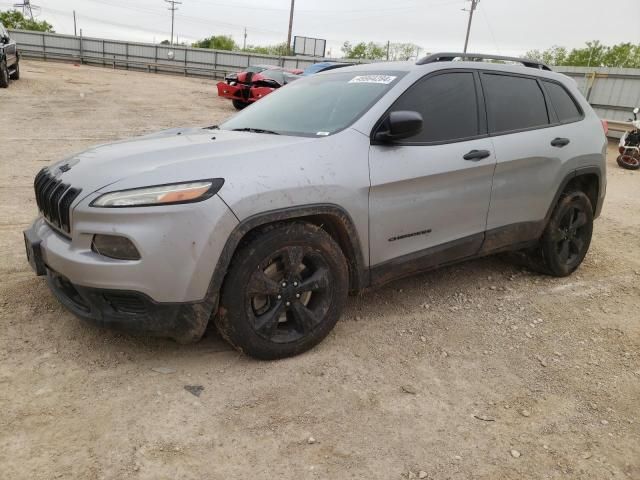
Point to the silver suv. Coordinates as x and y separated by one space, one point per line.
338 182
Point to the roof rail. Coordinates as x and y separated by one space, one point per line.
450 56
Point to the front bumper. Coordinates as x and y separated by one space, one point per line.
132 311
165 293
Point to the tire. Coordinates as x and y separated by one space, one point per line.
284 291
239 104
16 73
4 74
567 237
628 162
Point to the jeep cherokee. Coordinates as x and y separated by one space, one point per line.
340 181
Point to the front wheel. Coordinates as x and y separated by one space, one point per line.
239 104
284 291
566 239
4 74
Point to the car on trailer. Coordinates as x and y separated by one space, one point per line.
255 82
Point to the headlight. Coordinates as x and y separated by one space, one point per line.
169 194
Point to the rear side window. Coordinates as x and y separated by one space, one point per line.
564 105
448 106
513 103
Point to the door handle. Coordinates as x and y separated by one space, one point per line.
560 142
476 155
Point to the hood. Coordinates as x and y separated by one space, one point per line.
165 157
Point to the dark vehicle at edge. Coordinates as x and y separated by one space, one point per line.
9 58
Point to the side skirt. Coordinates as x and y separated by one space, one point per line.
424 260
504 239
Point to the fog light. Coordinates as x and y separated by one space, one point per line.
114 246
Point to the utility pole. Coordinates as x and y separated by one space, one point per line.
244 43
27 8
293 3
474 4
388 48
173 9
75 32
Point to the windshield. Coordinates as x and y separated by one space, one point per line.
316 106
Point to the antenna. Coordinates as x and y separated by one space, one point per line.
27 8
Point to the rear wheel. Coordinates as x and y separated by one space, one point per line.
4 74
284 291
239 104
629 162
566 239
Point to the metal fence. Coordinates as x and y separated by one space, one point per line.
145 56
613 92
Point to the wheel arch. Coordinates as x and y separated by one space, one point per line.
587 180
332 218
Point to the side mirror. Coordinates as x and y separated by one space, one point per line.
399 125
636 110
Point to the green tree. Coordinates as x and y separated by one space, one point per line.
362 50
595 54
279 49
402 51
165 42
15 20
217 42
553 56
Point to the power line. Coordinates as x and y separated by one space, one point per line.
173 9
474 4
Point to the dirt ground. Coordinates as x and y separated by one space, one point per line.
478 371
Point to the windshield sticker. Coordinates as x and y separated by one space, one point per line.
382 79
323 134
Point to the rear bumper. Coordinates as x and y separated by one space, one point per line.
241 92
132 311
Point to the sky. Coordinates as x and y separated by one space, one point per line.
507 27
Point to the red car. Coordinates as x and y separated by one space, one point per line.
255 82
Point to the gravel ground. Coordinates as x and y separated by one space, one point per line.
478 371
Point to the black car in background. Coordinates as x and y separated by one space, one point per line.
9 59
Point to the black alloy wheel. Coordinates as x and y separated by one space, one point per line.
284 291
568 235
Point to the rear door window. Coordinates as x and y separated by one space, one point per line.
564 105
513 103
448 105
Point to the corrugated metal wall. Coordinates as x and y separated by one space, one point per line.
144 56
613 92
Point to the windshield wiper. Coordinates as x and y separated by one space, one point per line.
255 130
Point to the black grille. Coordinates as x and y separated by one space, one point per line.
54 199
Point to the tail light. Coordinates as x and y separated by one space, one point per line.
621 150
605 127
